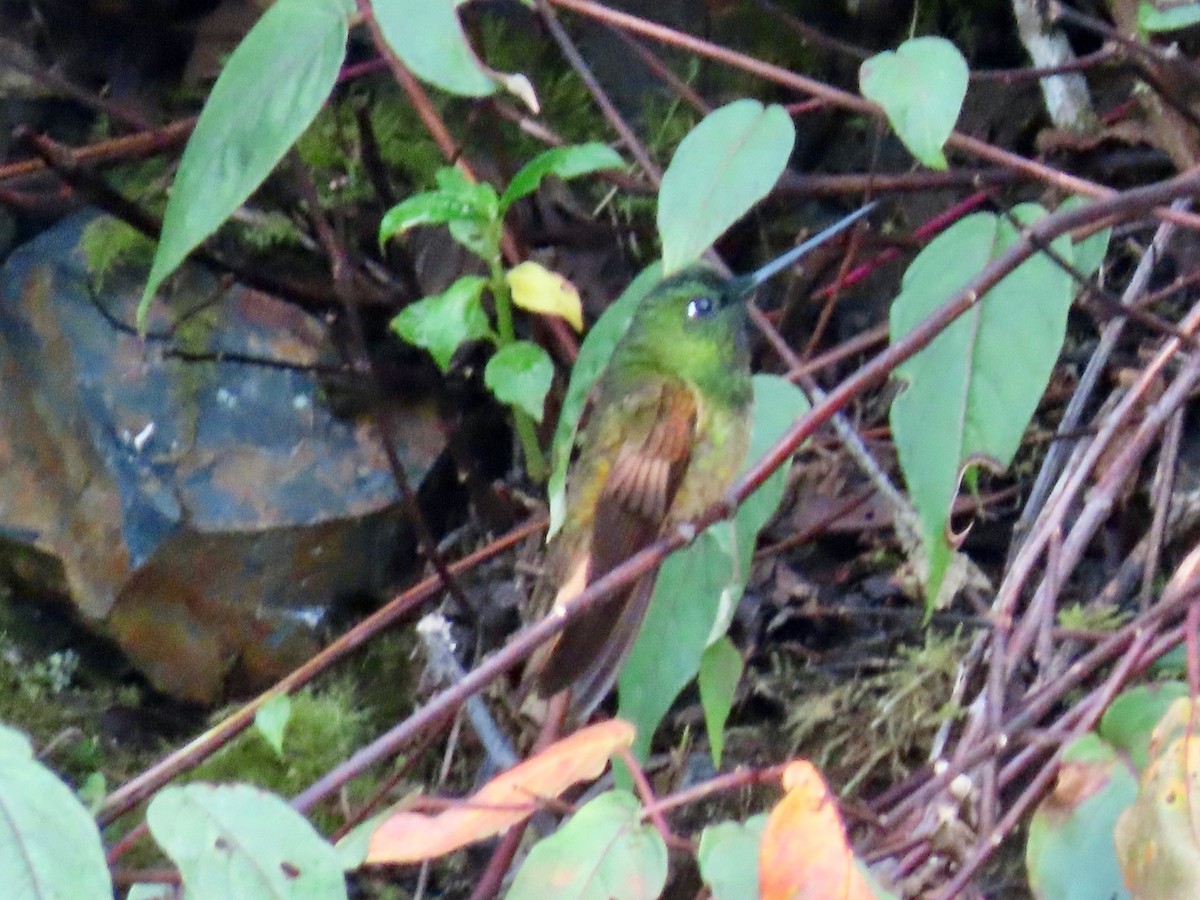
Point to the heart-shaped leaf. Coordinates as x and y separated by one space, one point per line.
1156 835
428 37
804 848
725 165
728 858
238 841
604 852
1069 851
921 87
970 394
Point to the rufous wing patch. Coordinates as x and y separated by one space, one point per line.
631 510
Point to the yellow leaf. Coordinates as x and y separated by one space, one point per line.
507 799
537 289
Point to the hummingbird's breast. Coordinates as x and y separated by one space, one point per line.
722 441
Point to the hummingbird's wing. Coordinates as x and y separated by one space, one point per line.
657 426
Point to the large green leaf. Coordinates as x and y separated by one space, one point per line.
725 165
921 87
699 587
603 853
594 354
269 91
969 395
428 37
49 845
565 162
239 841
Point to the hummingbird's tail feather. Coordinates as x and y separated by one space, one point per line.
591 650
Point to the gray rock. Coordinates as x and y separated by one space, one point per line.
202 513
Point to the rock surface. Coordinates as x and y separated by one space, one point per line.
201 510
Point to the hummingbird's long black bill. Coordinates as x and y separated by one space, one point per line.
774 267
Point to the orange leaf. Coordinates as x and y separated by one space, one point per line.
506 800
804 854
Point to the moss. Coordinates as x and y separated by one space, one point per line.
332 145
265 233
110 247
51 700
324 728
1092 617
900 705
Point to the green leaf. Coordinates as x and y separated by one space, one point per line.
480 236
601 853
239 841
1151 19
14 743
472 210
49 844
266 96
520 375
151 892
429 39
725 165
720 670
272 718
1069 853
1090 252
698 588
443 322
969 395
594 354
565 162
728 858
427 208
93 791
921 87
352 847
1130 719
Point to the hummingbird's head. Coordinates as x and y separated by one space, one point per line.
692 324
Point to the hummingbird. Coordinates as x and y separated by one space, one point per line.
667 428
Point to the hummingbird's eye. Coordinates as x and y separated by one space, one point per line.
701 307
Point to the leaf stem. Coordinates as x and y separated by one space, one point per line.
535 459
